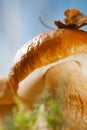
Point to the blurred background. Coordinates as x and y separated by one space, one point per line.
19 22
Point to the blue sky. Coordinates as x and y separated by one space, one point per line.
19 22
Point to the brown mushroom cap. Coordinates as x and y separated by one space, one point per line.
6 94
45 49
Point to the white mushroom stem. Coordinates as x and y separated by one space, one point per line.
69 73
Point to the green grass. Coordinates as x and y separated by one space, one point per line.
22 120
27 120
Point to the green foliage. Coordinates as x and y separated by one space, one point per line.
26 120
53 115
22 120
